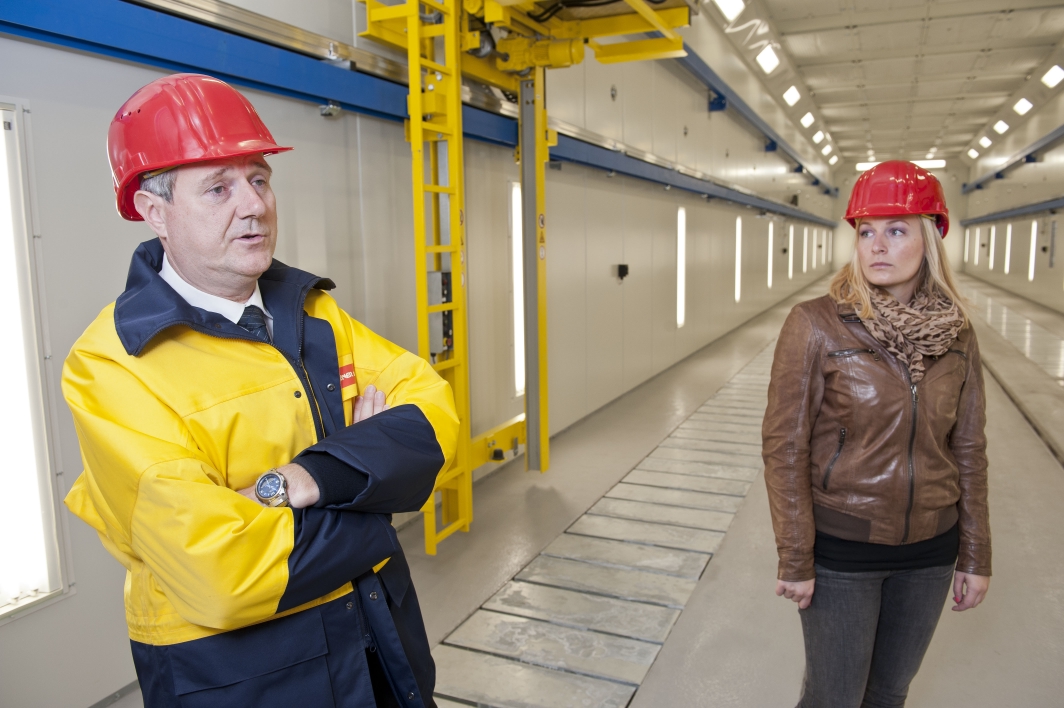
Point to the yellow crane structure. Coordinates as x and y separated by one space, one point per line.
507 44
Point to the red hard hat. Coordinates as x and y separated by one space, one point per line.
895 188
178 120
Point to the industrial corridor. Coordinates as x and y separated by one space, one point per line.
532 353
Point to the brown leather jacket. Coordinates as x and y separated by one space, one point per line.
854 450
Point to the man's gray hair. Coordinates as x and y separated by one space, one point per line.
160 184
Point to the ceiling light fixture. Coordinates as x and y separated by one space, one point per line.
862 166
768 60
929 155
833 160
973 153
730 8
1022 106
985 141
1053 76
1000 127
818 136
807 120
791 95
826 150
930 164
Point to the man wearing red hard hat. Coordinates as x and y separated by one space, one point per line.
875 450
244 440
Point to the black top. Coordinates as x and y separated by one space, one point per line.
856 556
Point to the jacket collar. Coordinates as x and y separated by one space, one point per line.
149 305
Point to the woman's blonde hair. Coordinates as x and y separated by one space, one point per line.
850 287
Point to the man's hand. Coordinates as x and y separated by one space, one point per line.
369 404
968 590
801 591
302 489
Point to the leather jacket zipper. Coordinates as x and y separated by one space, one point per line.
851 352
835 458
912 472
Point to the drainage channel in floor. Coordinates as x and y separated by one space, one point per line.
582 623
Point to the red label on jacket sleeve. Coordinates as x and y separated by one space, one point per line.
347 376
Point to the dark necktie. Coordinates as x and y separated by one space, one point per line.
254 321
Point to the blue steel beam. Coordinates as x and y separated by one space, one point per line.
138 34
1028 154
695 64
1025 210
578 152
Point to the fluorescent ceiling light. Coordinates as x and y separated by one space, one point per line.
862 166
768 60
833 160
791 96
1000 127
1053 76
973 153
930 164
818 136
985 141
807 120
1022 106
730 8
826 150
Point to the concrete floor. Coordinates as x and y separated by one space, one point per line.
735 643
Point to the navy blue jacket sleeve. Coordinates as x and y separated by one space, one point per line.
398 453
331 548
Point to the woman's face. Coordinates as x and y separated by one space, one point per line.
890 251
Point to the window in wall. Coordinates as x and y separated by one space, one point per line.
681 266
967 237
993 238
517 263
770 247
824 247
831 246
29 565
978 243
805 248
738 256
790 252
1034 250
812 253
1008 248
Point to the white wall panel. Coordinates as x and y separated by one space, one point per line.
638 101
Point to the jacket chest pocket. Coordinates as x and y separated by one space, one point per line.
940 390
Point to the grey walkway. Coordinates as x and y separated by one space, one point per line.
582 623
738 645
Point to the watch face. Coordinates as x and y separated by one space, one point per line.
269 486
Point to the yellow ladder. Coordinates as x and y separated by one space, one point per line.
435 134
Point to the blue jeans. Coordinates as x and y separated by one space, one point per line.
866 634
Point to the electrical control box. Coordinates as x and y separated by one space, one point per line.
441 324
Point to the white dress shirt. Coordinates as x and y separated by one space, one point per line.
228 309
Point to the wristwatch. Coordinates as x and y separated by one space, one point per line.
271 489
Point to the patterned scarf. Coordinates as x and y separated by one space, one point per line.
927 326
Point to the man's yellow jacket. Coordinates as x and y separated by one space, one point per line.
177 408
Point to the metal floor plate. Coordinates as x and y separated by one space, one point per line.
582 623
636 556
585 611
676 497
687 481
622 583
556 647
495 682
664 535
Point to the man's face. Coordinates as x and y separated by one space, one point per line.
221 229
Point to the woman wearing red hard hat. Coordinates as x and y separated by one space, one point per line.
875 452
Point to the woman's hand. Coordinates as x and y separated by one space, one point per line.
968 590
801 591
